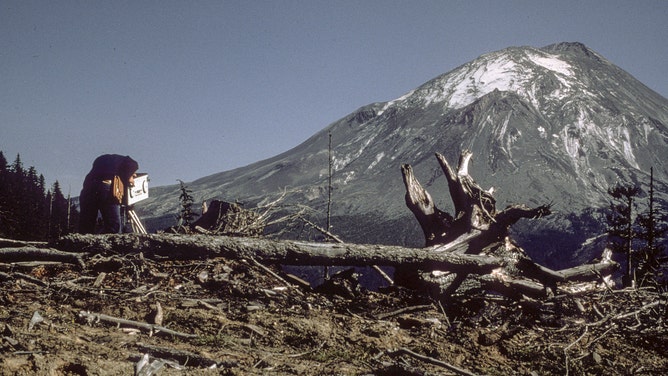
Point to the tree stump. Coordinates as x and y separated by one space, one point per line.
477 227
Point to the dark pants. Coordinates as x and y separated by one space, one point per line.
98 198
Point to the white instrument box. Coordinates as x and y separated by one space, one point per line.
139 191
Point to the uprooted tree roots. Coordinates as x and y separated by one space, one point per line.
477 228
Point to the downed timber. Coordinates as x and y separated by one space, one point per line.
20 243
588 272
477 227
277 251
31 279
228 218
92 317
29 253
513 287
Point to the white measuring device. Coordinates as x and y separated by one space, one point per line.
134 194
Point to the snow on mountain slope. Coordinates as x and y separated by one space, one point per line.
590 112
502 71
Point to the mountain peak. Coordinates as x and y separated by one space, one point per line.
566 46
527 71
575 48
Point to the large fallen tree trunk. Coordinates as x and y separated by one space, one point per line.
276 251
303 253
478 228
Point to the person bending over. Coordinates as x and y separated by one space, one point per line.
102 192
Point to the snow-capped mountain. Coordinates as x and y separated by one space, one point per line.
556 124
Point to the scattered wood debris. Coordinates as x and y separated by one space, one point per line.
236 313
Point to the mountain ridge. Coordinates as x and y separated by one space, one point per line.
554 124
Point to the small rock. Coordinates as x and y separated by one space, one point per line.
36 319
488 337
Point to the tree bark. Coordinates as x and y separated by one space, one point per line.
589 272
277 251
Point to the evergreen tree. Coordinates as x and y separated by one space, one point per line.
3 162
35 206
651 229
4 195
58 213
16 200
187 215
72 219
26 210
17 166
620 225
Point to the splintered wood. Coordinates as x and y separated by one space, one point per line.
477 228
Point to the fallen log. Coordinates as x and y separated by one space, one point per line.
473 242
29 253
20 243
589 272
276 251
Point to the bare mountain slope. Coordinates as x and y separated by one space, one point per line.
555 124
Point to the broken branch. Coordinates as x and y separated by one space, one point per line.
427 359
30 253
95 317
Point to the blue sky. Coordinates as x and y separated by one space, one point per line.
192 88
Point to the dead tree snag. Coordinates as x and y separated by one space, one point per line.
475 208
477 227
